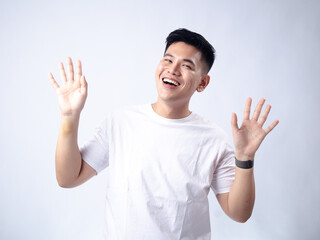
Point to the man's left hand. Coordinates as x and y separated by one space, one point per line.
250 135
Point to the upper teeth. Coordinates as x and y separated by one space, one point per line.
170 81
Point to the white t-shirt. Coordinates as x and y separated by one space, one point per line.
159 174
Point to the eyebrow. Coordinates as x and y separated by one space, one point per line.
185 59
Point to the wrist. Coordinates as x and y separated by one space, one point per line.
248 164
244 157
69 124
70 117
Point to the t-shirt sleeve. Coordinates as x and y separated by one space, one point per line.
224 172
95 152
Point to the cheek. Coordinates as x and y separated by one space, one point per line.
158 72
190 78
193 83
158 69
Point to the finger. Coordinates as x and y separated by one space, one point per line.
246 113
83 84
79 70
234 122
258 108
271 126
264 115
53 82
62 73
70 69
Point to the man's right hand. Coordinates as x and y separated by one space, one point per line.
71 170
72 93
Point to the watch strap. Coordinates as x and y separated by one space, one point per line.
244 164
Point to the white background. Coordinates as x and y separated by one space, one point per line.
264 49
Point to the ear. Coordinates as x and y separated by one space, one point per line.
205 79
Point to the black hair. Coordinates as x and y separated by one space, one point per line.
196 40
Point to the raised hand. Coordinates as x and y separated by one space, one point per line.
72 93
250 135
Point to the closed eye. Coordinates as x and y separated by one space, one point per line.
187 66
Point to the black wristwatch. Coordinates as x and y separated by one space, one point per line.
244 164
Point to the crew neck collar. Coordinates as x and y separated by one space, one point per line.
152 113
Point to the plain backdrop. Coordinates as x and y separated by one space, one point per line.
264 49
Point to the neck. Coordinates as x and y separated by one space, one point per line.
171 111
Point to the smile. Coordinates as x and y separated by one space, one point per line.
170 82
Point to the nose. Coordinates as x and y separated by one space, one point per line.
174 69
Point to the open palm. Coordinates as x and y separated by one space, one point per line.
250 135
72 93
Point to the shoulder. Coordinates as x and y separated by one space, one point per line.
210 127
124 114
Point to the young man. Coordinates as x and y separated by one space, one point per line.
162 159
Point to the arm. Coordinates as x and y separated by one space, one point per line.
238 203
71 170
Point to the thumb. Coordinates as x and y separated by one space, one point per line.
83 81
234 122
83 84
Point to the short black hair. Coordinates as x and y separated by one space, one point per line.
196 40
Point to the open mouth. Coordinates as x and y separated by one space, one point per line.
170 82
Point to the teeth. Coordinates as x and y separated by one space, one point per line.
165 80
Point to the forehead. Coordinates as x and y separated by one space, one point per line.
184 51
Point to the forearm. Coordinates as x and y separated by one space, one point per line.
242 195
68 157
238 203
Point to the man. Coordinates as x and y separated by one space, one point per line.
162 159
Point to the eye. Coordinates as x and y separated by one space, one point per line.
187 66
167 60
